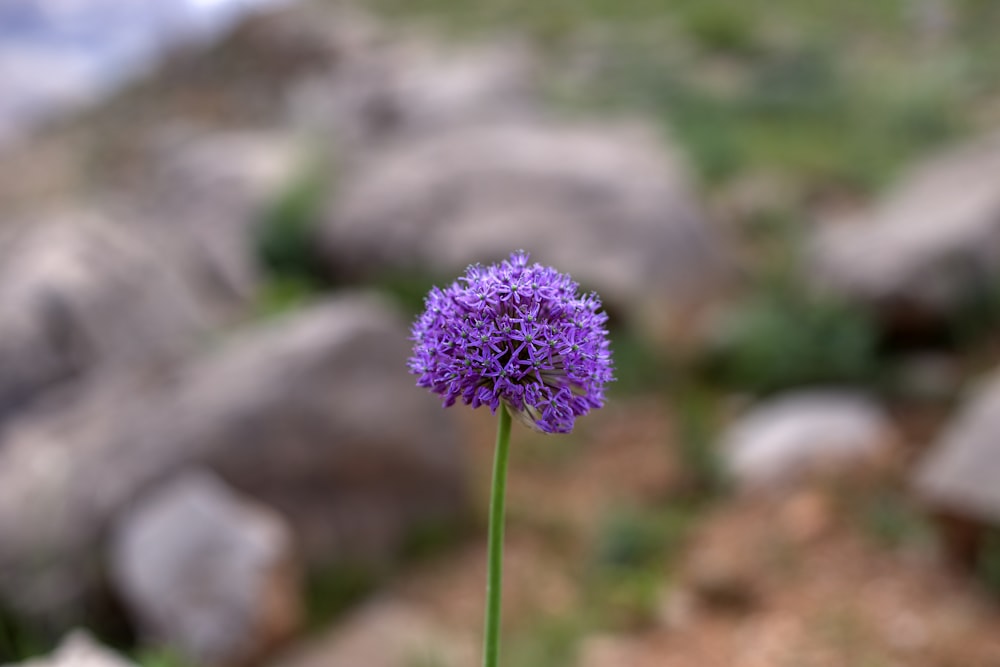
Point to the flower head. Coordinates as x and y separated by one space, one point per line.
519 335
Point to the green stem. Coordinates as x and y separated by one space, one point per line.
494 581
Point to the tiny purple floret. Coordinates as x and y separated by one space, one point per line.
519 335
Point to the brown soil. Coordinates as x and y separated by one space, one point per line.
793 579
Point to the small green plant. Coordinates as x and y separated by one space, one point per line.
284 240
407 288
160 657
334 589
639 365
987 565
722 29
550 642
425 657
632 556
786 338
889 520
18 640
696 438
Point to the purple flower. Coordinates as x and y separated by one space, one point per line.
519 335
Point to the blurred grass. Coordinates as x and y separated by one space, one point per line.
635 551
332 590
826 93
19 640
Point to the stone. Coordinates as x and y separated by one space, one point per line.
796 434
608 205
78 649
929 247
392 89
958 474
206 572
82 294
384 633
312 414
203 197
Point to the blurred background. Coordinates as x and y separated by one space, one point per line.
219 217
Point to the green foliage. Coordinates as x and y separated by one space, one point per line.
719 29
551 642
830 94
634 538
284 241
978 315
18 640
433 537
782 340
632 556
987 564
335 589
160 657
696 438
409 288
284 294
425 657
639 366
890 521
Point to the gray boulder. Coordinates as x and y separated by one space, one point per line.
81 294
393 88
929 246
791 436
959 474
608 205
202 198
313 415
206 572
385 632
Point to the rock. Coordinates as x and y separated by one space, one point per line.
78 649
385 633
387 90
81 294
958 474
929 247
313 415
203 198
206 572
799 433
607 205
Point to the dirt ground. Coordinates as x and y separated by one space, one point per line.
816 576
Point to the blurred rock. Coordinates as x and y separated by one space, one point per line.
797 434
206 572
78 649
203 198
930 247
391 89
606 204
385 633
958 475
80 294
314 415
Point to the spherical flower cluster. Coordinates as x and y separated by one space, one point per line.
519 335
